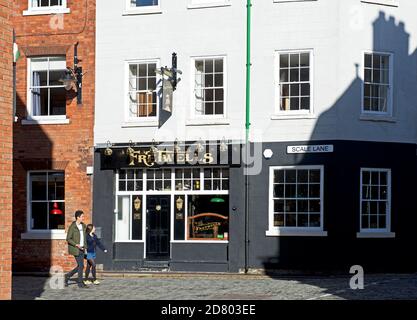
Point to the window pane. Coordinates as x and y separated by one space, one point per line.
279 191
290 176
284 75
302 220
279 176
302 190
294 60
38 187
284 61
57 221
290 220
294 75
56 186
208 66
305 74
279 220
208 220
218 67
315 220
305 60
39 215
368 60
58 101
290 190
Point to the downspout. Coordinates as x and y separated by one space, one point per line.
247 126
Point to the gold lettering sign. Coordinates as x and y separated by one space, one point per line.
150 158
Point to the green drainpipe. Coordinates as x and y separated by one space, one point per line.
247 125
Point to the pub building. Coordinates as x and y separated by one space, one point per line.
166 206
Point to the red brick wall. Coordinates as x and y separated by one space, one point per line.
6 114
67 146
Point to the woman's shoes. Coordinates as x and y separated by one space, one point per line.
88 282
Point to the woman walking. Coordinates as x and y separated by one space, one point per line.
92 243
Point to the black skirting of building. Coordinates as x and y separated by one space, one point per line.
325 207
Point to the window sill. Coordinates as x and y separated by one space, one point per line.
375 235
282 116
133 124
207 122
44 235
130 12
34 12
209 5
377 118
390 3
295 233
45 120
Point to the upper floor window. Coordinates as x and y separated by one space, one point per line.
142 6
143 102
295 81
143 3
46 7
377 83
47 95
209 87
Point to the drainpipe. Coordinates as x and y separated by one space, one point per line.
247 126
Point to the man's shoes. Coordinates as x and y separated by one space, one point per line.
66 281
96 282
82 285
87 282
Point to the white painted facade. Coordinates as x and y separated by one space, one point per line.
337 31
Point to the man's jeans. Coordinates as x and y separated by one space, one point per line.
79 268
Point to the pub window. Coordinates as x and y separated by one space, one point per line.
142 3
187 179
216 179
296 198
143 102
375 199
130 180
158 180
37 4
208 217
47 200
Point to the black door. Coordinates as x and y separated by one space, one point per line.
157 227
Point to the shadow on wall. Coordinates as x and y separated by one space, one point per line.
36 204
341 249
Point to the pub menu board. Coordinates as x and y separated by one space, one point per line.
137 217
179 217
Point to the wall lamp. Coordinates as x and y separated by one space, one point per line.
73 77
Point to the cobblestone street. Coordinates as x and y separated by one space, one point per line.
219 287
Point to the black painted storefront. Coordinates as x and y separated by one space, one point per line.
339 250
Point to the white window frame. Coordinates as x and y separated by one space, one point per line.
295 231
128 10
171 193
31 119
376 233
31 234
194 4
390 103
277 87
46 10
141 121
214 117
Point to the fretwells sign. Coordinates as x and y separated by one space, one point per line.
328 148
142 157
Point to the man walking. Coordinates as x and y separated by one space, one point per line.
76 239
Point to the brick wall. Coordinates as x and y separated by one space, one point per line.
47 146
6 114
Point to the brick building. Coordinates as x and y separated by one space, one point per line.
6 116
53 132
